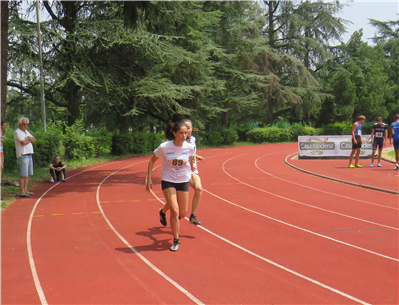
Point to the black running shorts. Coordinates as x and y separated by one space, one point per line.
359 142
181 187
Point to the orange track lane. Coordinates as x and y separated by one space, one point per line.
270 234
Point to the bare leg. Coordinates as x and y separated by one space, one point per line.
379 155
351 156
195 183
26 184
357 156
21 184
172 205
372 156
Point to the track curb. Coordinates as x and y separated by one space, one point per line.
336 179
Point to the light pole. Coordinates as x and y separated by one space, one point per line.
41 68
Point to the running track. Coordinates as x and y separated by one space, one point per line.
271 235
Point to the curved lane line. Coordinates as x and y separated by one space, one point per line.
302 203
151 265
312 188
32 264
274 263
339 180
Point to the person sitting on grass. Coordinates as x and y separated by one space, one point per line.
57 170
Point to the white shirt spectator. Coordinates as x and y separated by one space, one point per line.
20 135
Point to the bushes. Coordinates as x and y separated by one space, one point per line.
218 137
78 145
135 143
275 134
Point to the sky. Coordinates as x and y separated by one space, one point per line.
359 11
356 11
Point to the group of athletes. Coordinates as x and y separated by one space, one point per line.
179 172
379 136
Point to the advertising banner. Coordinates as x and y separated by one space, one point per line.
332 146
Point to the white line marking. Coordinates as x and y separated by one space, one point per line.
32 264
278 265
151 265
302 229
302 203
309 187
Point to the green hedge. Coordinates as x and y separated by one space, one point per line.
135 143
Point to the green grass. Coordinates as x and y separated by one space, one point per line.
392 154
10 193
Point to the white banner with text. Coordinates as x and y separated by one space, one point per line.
329 146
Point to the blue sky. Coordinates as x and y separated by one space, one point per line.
359 11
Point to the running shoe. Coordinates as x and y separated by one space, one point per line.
359 165
63 180
379 165
351 166
162 218
194 220
51 180
175 246
396 166
372 164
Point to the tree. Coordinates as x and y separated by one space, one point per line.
4 44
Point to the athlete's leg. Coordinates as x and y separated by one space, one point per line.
195 183
351 156
379 154
373 156
357 156
182 201
172 205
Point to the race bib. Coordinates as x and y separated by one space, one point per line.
177 162
359 132
379 134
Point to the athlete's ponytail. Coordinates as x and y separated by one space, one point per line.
173 127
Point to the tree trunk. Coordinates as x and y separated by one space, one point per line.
4 44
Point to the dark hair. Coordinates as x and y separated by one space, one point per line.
396 117
188 121
173 127
378 119
2 122
56 156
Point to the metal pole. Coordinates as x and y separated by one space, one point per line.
41 68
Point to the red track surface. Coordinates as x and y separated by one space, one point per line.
270 234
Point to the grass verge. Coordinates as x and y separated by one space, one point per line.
10 193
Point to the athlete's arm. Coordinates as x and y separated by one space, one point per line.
153 159
390 134
372 133
199 158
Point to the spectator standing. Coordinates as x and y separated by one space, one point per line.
24 150
2 134
356 141
379 134
395 132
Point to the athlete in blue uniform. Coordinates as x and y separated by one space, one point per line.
356 141
380 133
395 132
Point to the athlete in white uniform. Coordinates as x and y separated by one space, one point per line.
177 169
195 181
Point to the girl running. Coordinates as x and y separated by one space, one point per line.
177 167
195 181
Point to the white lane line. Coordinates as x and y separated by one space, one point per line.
315 189
32 264
302 229
151 265
278 265
302 203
